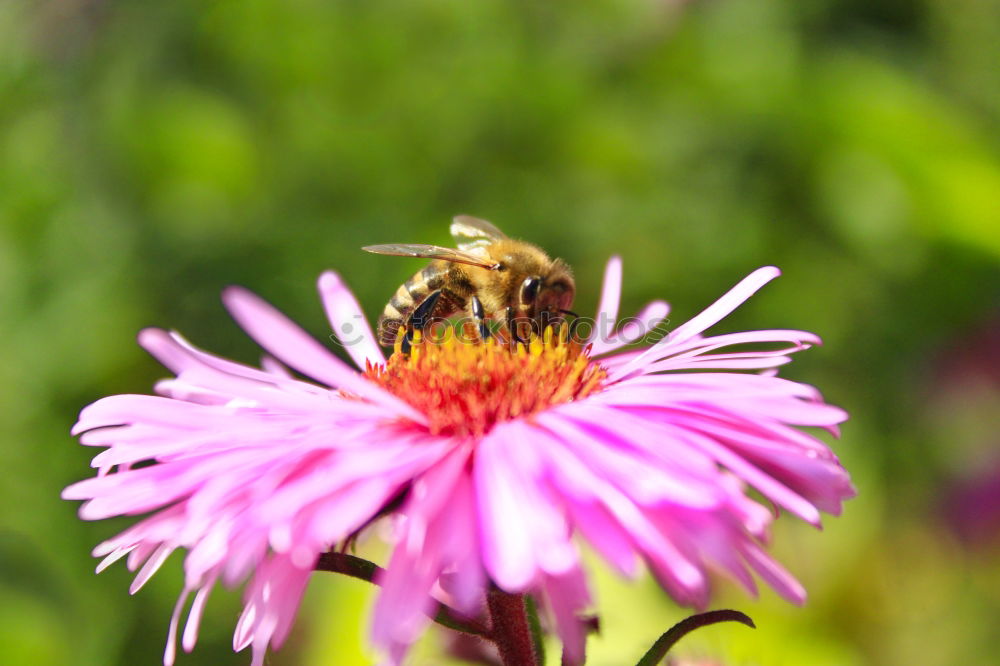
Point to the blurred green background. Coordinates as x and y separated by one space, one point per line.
153 152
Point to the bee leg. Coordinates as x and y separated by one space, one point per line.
479 314
422 313
419 319
512 326
572 324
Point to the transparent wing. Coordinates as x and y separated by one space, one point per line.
432 252
471 232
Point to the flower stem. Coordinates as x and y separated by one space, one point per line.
511 631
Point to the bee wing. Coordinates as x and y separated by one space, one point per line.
432 252
471 232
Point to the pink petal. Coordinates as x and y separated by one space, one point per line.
775 575
767 485
190 637
170 652
643 482
711 315
289 343
440 518
152 565
522 531
683 576
607 308
567 595
643 324
206 375
348 321
599 527
731 300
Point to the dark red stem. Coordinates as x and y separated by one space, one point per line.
510 629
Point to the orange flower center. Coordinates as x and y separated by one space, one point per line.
465 388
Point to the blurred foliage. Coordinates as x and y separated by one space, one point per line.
153 152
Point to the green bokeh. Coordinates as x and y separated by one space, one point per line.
153 152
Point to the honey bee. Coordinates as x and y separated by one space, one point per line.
488 276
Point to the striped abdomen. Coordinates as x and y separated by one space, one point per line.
409 295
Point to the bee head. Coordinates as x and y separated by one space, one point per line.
551 292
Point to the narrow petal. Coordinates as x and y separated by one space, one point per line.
348 321
775 575
567 596
221 381
607 308
190 637
604 533
152 565
121 409
170 652
731 300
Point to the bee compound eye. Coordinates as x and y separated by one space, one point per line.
529 289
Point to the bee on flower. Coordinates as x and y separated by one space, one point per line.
495 460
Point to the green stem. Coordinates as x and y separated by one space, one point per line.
535 625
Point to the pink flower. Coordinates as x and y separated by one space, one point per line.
494 461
